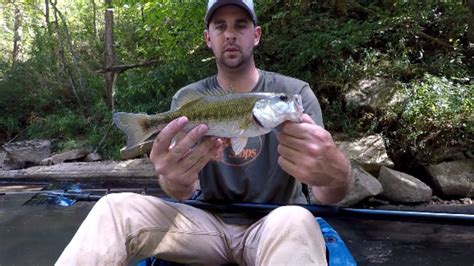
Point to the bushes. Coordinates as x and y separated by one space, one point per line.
330 47
435 119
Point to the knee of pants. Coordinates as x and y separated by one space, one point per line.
295 215
117 200
119 203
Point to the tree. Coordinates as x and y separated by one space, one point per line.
109 53
17 32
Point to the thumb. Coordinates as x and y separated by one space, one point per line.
305 118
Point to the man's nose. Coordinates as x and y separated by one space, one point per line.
230 34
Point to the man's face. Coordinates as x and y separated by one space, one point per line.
232 36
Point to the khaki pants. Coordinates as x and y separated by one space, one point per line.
124 228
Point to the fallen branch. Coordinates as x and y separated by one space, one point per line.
435 40
121 68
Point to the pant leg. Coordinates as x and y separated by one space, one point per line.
125 227
288 235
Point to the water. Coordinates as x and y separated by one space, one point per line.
36 235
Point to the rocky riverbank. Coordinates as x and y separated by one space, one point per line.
376 183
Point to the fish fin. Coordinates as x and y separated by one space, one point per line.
134 126
190 95
238 144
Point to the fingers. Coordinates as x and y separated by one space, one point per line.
299 130
288 166
205 158
200 154
163 139
288 152
187 142
305 118
290 141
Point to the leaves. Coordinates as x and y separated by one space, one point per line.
331 47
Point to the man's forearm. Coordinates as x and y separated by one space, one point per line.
336 191
175 190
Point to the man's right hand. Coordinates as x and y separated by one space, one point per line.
178 167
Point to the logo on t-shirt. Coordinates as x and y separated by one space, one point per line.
250 152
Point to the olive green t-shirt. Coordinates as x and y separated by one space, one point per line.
254 174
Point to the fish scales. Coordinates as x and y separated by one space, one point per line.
237 116
219 109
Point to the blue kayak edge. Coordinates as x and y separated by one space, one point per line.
336 250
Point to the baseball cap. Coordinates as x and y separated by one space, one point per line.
213 5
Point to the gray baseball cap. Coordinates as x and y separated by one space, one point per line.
213 5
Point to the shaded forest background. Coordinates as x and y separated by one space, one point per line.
60 80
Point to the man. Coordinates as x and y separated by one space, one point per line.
125 227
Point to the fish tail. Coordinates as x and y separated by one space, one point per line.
137 127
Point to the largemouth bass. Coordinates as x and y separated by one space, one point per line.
237 116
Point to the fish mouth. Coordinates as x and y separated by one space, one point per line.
256 121
299 104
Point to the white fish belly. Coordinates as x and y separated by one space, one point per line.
233 129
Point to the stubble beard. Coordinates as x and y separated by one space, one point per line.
235 64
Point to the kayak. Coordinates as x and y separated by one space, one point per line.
336 250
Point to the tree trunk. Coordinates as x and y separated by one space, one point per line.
62 56
470 30
17 33
75 72
340 7
94 18
109 53
46 16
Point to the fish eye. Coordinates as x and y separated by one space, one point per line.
283 98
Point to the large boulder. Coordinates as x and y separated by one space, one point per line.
374 93
72 155
368 151
401 187
454 178
26 152
364 186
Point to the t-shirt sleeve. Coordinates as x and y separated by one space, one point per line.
311 105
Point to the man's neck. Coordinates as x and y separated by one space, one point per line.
238 81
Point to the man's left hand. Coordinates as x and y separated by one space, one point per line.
309 154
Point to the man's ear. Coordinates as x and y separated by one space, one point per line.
257 35
207 38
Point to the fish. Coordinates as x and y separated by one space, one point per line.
227 114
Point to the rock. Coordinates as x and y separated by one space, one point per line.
374 93
130 169
3 155
368 151
365 186
454 178
67 156
28 152
466 201
401 187
93 157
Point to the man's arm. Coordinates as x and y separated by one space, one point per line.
177 167
308 153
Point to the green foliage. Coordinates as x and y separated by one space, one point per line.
434 100
418 45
